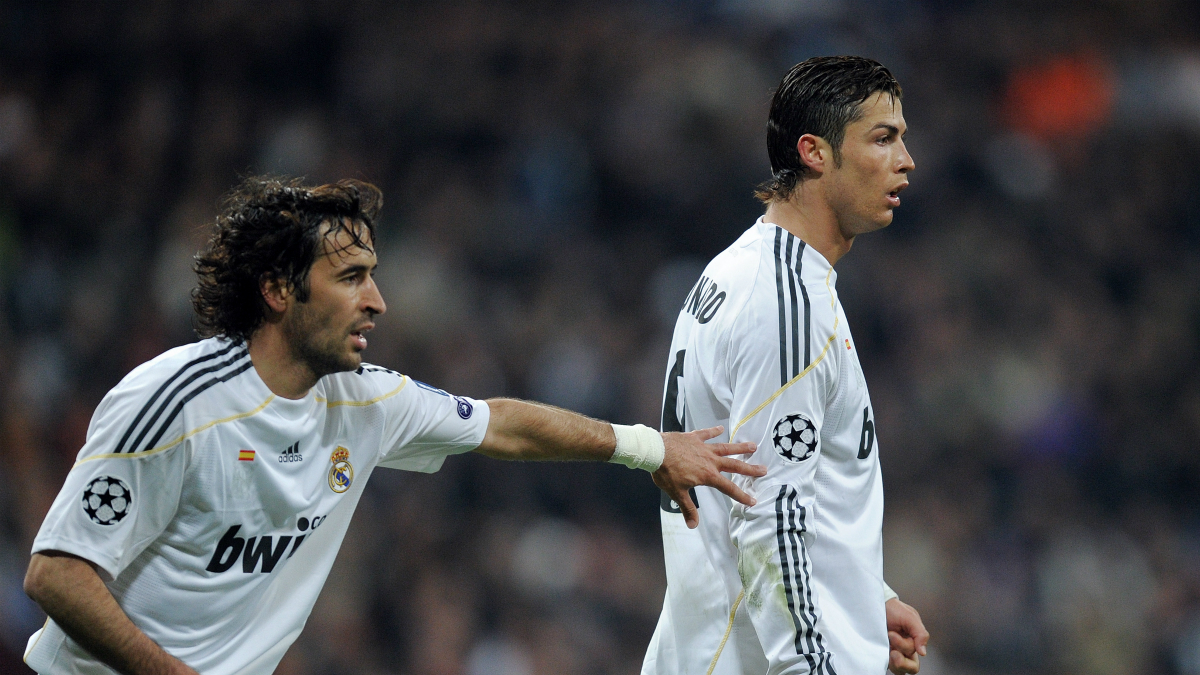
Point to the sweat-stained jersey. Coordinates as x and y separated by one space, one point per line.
214 509
795 583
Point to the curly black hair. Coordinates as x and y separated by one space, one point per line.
271 230
820 96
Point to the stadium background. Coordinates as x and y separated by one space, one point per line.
556 173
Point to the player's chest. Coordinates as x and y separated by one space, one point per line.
281 470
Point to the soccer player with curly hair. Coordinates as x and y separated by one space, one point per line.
205 510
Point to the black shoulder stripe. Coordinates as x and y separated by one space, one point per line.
807 314
377 369
150 402
787 256
193 394
237 356
783 370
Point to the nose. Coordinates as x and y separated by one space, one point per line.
372 299
906 161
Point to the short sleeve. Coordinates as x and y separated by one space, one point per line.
113 504
423 425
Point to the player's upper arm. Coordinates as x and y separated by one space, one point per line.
424 424
781 375
124 487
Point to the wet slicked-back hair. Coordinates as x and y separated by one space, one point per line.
271 229
820 96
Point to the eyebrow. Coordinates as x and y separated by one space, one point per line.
356 269
890 127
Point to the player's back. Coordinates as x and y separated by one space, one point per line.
759 344
695 629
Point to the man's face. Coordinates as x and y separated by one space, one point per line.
327 333
866 187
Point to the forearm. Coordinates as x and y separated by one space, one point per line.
71 593
534 431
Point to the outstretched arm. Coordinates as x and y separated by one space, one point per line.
533 431
68 589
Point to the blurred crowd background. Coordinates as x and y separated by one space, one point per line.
556 174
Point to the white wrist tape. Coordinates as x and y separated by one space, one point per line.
888 593
638 447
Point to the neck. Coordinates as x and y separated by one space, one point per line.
284 374
810 218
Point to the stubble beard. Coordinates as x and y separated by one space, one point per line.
315 344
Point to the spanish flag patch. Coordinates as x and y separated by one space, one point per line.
245 455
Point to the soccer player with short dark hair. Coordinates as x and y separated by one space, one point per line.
206 508
793 584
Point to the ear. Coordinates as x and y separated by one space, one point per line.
276 294
815 152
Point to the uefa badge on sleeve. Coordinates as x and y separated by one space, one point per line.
341 474
464 407
795 437
107 500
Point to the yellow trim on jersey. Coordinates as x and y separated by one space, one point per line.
377 399
25 656
177 441
728 629
794 380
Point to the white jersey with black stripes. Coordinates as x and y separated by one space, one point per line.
795 583
214 509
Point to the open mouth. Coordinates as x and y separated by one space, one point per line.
359 337
893 197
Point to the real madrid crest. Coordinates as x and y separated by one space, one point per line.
341 474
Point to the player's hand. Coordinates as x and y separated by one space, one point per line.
688 461
906 636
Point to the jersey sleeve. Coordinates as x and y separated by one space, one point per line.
781 391
423 425
115 502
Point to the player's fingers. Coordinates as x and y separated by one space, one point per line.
727 449
710 432
725 485
902 665
905 645
921 638
738 466
687 508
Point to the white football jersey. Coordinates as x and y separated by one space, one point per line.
795 583
215 509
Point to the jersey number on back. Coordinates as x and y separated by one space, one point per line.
671 422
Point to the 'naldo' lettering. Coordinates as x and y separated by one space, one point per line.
704 300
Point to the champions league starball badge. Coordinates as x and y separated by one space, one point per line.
107 500
795 438
341 474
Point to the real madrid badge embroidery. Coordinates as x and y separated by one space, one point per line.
341 474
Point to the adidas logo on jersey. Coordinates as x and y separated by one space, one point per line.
292 454
258 553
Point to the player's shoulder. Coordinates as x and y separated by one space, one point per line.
184 372
727 283
363 386
787 273
145 409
